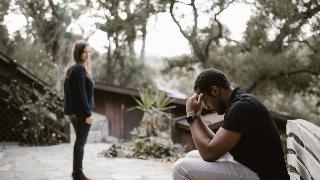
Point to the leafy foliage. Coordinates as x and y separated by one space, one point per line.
201 37
4 36
133 74
154 147
125 23
33 57
42 119
145 148
48 21
112 151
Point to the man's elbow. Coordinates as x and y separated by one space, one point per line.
209 156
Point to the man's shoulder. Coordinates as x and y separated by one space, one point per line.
241 100
243 103
245 99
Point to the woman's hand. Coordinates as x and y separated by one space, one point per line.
194 105
89 120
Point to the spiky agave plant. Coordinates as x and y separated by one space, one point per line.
154 105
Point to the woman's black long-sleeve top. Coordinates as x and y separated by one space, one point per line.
78 92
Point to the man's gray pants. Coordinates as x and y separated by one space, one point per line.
193 167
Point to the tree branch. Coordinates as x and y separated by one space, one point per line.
195 18
176 21
305 42
104 5
207 47
275 46
221 10
53 8
232 40
220 27
279 75
183 3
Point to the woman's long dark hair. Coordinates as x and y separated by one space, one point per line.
78 49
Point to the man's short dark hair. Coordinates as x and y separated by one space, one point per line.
210 77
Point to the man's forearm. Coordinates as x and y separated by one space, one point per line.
209 132
200 136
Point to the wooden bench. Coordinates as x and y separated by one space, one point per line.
303 150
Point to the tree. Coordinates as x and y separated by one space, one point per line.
126 22
48 21
4 36
201 38
289 38
283 69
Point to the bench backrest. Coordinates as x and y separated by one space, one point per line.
303 145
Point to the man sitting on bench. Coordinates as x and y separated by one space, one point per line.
247 146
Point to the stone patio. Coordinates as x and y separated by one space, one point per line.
55 162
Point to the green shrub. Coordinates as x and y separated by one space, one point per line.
145 148
42 118
154 147
113 151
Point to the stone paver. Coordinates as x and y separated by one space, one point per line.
55 162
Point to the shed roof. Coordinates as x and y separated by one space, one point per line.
129 91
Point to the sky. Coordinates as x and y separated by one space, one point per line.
163 39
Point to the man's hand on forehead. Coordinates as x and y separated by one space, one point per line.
198 91
194 104
204 105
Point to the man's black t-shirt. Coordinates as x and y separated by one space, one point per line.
260 147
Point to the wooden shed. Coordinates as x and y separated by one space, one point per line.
114 101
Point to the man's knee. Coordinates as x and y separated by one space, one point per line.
178 164
193 154
180 169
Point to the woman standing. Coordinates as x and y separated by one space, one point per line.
79 102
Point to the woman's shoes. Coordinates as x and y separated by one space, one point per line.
79 176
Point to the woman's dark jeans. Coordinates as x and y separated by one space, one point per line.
82 130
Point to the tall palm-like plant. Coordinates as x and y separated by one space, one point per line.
155 106
146 100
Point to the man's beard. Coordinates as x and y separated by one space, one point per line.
221 107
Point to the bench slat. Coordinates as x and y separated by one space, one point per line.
315 130
294 176
307 133
294 162
310 162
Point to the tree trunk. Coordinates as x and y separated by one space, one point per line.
55 51
144 37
